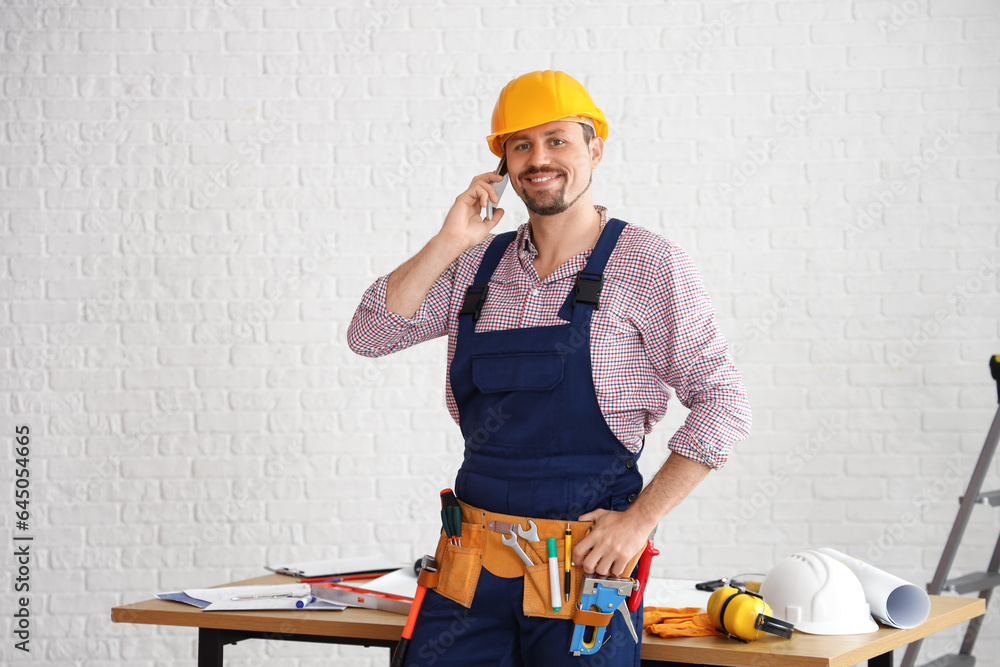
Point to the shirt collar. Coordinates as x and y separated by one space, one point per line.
526 247
526 252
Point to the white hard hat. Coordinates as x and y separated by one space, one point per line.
819 595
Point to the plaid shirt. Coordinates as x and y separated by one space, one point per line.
655 333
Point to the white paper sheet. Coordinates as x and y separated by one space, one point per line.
677 593
294 596
307 603
401 582
893 601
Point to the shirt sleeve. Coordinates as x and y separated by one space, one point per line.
375 331
692 357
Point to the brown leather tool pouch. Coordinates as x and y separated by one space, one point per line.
459 566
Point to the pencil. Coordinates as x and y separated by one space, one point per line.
566 558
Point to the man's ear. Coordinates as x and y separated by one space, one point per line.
596 151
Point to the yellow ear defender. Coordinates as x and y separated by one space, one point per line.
744 615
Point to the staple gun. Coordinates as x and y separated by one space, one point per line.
600 598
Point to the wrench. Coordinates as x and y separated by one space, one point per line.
511 540
531 535
503 527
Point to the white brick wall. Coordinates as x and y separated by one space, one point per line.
195 196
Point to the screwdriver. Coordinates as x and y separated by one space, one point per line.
451 517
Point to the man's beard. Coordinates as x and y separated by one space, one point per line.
556 201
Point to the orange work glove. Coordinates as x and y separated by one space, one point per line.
671 622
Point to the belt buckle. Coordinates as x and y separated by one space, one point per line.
500 526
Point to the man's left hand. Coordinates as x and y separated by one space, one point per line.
615 538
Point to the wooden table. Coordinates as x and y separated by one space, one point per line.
366 627
804 650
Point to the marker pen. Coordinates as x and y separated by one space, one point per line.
554 575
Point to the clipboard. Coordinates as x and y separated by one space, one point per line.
333 567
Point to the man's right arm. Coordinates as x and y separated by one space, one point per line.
407 287
409 306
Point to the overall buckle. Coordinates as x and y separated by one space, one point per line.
474 301
588 288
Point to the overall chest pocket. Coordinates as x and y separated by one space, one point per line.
495 373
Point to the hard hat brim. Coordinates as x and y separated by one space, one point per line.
863 627
496 140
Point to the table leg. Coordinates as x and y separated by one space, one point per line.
209 647
884 660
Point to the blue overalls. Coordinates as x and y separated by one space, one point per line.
536 445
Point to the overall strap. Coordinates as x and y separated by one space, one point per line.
475 295
589 281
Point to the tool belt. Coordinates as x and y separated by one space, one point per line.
459 566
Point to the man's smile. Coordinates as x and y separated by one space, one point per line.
541 180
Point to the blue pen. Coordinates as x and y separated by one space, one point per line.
302 603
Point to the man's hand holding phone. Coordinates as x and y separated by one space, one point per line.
465 225
407 286
499 187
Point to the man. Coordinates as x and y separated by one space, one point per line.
565 341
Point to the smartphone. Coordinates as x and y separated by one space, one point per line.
499 187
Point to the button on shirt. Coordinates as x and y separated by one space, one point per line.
654 334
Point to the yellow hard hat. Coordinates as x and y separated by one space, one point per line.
537 98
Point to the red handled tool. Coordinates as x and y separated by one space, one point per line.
399 657
643 574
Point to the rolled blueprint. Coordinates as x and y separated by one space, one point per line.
892 600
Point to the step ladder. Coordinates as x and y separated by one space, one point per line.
984 582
